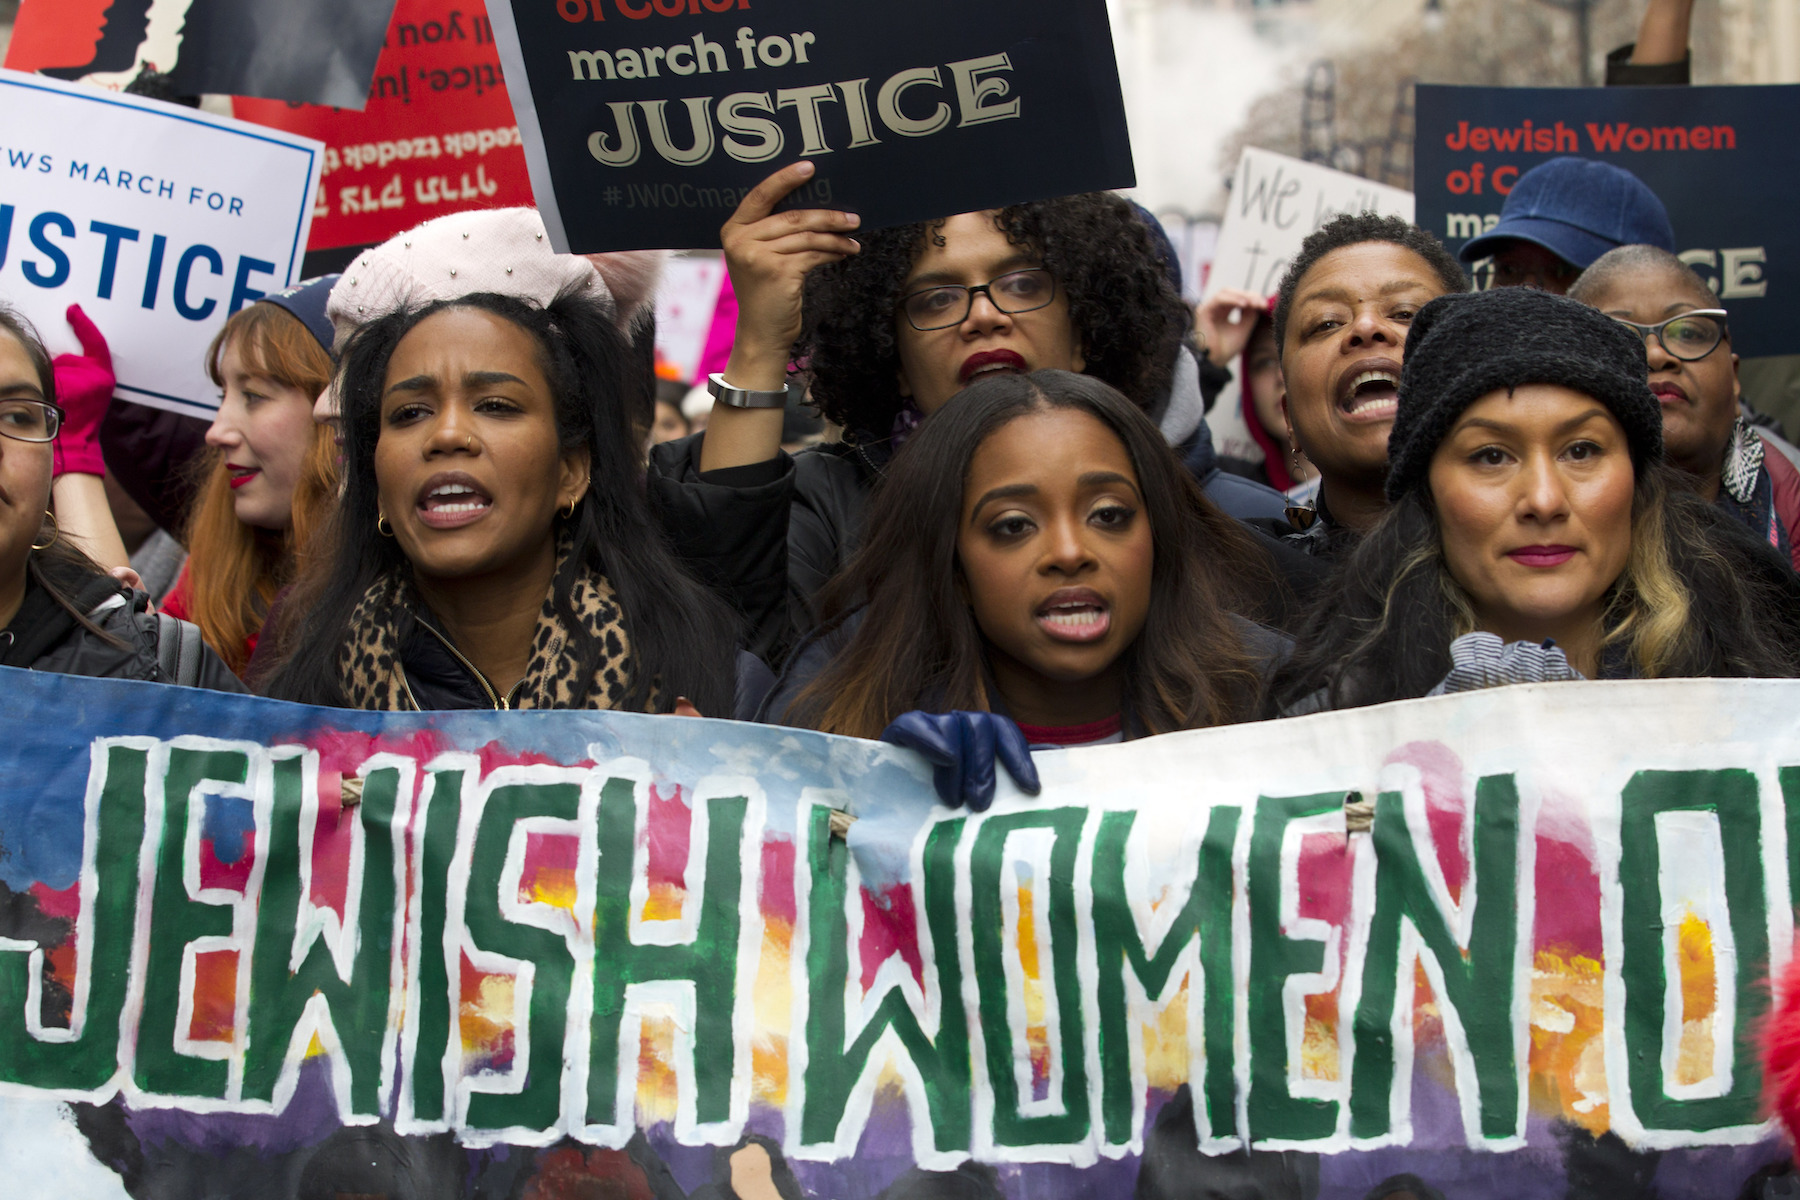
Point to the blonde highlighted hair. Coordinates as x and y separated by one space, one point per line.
1699 596
234 570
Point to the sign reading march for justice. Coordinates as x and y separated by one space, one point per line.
528 949
646 121
159 220
1723 160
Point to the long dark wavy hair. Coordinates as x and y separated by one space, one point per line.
918 645
682 638
1699 596
1128 317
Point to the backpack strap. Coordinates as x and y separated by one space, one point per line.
178 647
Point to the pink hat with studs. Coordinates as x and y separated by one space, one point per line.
501 250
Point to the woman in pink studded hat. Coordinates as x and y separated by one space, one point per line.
493 547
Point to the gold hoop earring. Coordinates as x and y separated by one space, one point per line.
54 532
569 512
382 527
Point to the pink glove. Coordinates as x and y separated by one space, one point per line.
84 388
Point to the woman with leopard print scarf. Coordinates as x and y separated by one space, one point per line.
476 562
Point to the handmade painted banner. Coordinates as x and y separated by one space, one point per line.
647 121
1512 943
1722 160
436 136
159 220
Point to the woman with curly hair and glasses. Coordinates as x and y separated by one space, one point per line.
888 325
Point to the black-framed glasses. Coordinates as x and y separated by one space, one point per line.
949 304
30 420
1689 336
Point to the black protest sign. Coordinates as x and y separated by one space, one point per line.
646 121
1723 160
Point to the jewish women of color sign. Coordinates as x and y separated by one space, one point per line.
1513 943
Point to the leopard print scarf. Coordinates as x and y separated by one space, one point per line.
369 661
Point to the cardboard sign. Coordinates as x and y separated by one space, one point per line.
1275 202
1722 160
548 949
160 221
436 137
297 50
646 122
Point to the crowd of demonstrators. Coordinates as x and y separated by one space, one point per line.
1019 537
890 328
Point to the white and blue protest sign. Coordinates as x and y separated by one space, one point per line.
646 121
159 220
1723 160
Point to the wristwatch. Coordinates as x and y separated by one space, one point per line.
737 397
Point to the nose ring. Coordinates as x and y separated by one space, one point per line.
469 442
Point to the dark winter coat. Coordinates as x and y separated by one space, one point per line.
45 636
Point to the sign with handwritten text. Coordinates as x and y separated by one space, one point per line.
1275 202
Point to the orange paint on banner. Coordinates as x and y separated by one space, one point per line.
215 996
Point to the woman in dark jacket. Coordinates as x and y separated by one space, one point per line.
1533 532
59 611
1037 555
493 548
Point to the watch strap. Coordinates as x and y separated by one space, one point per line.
737 397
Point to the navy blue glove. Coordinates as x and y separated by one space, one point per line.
961 747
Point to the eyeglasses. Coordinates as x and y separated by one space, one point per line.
30 420
1690 336
950 303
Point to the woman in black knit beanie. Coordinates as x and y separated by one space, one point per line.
1533 533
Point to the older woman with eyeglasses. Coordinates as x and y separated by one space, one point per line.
59 610
1695 377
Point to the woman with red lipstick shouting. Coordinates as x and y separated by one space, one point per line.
473 565
1038 551
890 324
270 477
1694 375
1340 319
1533 533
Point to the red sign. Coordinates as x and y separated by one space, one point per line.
438 134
